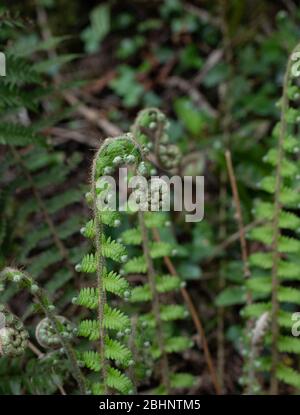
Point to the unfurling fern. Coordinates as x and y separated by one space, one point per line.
13 336
125 344
109 321
276 265
150 129
53 327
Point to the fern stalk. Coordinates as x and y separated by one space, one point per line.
100 267
276 230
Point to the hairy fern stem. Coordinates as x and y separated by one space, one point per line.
276 228
100 267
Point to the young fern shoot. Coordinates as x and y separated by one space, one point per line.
276 266
58 329
150 130
113 153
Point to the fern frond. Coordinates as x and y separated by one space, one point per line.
119 381
114 319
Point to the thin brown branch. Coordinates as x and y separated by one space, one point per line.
232 239
239 215
35 350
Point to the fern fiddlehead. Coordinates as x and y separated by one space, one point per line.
112 154
46 335
13 335
150 130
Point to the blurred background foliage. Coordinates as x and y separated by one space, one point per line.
214 67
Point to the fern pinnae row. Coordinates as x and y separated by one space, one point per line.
276 265
112 153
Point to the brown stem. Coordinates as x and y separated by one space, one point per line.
240 221
233 238
247 273
35 350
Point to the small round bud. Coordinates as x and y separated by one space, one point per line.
124 258
145 150
130 159
282 14
78 267
108 170
34 288
82 230
242 380
89 197
142 168
117 160
17 278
